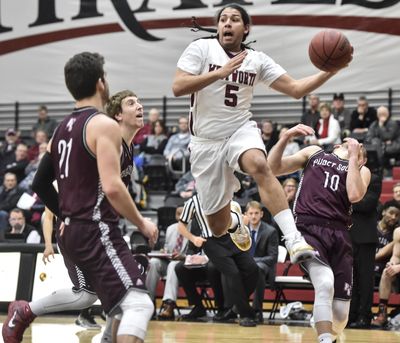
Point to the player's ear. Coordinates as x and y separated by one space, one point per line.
101 85
246 29
118 117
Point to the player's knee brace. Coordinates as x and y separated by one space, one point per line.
340 310
137 309
323 282
323 301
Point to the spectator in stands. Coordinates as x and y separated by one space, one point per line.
18 226
248 190
9 196
31 168
361 119
341 113
156 141
364 239
269 134
185 186
390 275
396 198
311 116
44 122
7 149
184 189
177 146
385 228
327 129
154 115
264 249
19 163
290 186
33 151
383 133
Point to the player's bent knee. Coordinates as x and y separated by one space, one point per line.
258 167
325 289
137 309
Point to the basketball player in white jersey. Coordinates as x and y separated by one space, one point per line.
220 73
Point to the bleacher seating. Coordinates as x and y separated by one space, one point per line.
276 107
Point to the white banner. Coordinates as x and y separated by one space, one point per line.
143 39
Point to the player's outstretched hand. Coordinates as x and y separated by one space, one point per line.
233 64
149 229
299 130
48 251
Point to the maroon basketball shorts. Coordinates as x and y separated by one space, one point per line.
105 260
334 249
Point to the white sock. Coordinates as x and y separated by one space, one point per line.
325 338
234 221
286 223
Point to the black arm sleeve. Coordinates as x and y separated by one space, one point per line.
43 184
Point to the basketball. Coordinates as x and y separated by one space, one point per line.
330 50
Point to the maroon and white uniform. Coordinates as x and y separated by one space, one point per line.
323 215
220 118
91 239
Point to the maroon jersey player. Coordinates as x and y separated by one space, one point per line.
330 183
85 159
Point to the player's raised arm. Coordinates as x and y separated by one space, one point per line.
301 87
289 164
357 178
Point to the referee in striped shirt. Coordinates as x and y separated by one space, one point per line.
238 267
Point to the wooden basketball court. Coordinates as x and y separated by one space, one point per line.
61 329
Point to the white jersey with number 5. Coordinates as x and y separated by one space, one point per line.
219 109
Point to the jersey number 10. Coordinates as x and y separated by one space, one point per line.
331 181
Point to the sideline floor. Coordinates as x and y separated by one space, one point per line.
61 329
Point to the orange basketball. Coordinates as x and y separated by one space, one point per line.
330 50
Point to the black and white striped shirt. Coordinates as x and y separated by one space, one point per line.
192 208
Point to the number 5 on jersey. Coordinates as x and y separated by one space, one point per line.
230 95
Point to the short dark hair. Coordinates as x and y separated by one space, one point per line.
43 108
18 210
245 16
338 96
82 72
390 203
